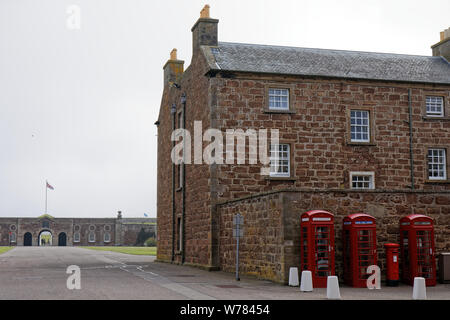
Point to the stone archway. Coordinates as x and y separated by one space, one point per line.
62 239
27 239
45 238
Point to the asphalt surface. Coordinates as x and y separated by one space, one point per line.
40 274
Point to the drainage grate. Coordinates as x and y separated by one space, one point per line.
228 287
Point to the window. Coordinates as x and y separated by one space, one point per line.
180 176
180 235
435 106
278 99
180 120
92 237
76 237
362 180
45 225
107 237
360 128
180 166
280 160
437 162
12 237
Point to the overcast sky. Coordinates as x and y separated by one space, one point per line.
77 107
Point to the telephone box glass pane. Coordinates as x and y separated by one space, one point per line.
305 248
424 252
406 252
322 239
365 252
347 253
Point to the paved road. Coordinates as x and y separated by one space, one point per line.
40 273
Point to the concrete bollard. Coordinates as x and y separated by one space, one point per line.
306 284
333 291
420 289
293 277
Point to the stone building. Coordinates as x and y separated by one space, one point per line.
359 132
73 231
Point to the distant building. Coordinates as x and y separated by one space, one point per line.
74 231
359 132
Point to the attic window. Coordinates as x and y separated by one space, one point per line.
278 99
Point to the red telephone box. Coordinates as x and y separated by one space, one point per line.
317 246
417 249
359 248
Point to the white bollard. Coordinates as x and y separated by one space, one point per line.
333 291
306 284
420 289
293 277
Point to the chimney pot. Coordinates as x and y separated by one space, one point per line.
173 54
205 12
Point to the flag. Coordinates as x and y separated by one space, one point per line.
50 187
145 215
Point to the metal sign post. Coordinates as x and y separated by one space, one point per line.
238 232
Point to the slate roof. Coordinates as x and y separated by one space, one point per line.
233 57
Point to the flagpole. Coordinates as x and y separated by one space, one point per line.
46 190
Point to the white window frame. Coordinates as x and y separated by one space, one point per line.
105 240
278 159
89 237
279 96
432 163
354 124
435 102
13 237
371 181
76 237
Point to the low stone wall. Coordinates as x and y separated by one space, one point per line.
271 244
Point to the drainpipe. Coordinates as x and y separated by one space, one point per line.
413 187
173 112
183 238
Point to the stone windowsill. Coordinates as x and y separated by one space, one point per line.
281 179
270 111
361 144
436 118
437 181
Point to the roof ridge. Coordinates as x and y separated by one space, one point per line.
323 49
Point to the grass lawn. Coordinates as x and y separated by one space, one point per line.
140 251
4 249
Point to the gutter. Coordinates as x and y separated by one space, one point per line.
173 194
183 195
411 154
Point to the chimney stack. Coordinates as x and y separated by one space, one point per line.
173 69
442 48
205 31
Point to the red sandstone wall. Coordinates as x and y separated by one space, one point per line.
322 156
271 244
